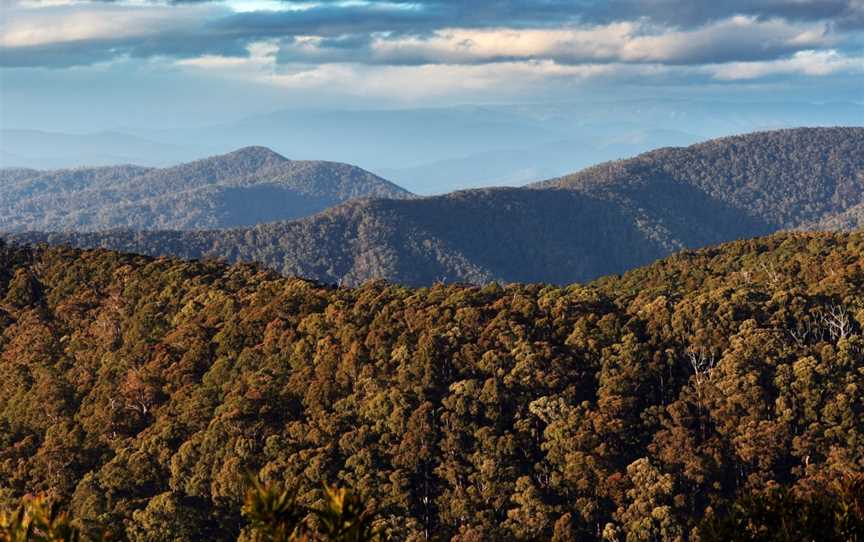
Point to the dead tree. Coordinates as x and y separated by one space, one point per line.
836 320
702 364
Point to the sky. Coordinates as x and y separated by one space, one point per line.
83 65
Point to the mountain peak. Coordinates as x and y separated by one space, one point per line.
258 153
244 187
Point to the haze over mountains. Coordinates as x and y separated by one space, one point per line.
606 219
436 150
246 187
41 149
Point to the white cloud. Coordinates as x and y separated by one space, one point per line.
447 61
465 46
515 61
618 42
28 23
409 82
732 38
59 21
436 79
519 77
261 57
245 6
810 63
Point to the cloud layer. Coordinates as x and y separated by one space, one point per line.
430 46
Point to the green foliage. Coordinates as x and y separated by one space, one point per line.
23 290
275 516
344 517
35 520
140 392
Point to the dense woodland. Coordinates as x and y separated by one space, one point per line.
606 219
473 236
782 178
849 220
242 188
142 393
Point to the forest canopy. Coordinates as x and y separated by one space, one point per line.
141 393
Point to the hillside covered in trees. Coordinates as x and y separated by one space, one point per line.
246 187
606 219
783 178
141 393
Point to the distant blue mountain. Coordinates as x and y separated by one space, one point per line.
435 150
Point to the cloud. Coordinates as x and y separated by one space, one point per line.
517 13
65 23
80 33
401 33
416 82
740 38
411 83
261 56
810 63
737 38
694 13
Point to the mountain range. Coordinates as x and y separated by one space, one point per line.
246 187
427 150
606 219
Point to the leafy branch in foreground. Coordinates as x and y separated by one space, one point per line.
275 516
37 520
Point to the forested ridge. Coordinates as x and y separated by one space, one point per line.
475 236
782 178
606 219
141 393
249 186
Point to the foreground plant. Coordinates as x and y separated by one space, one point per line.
275 516
36 520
